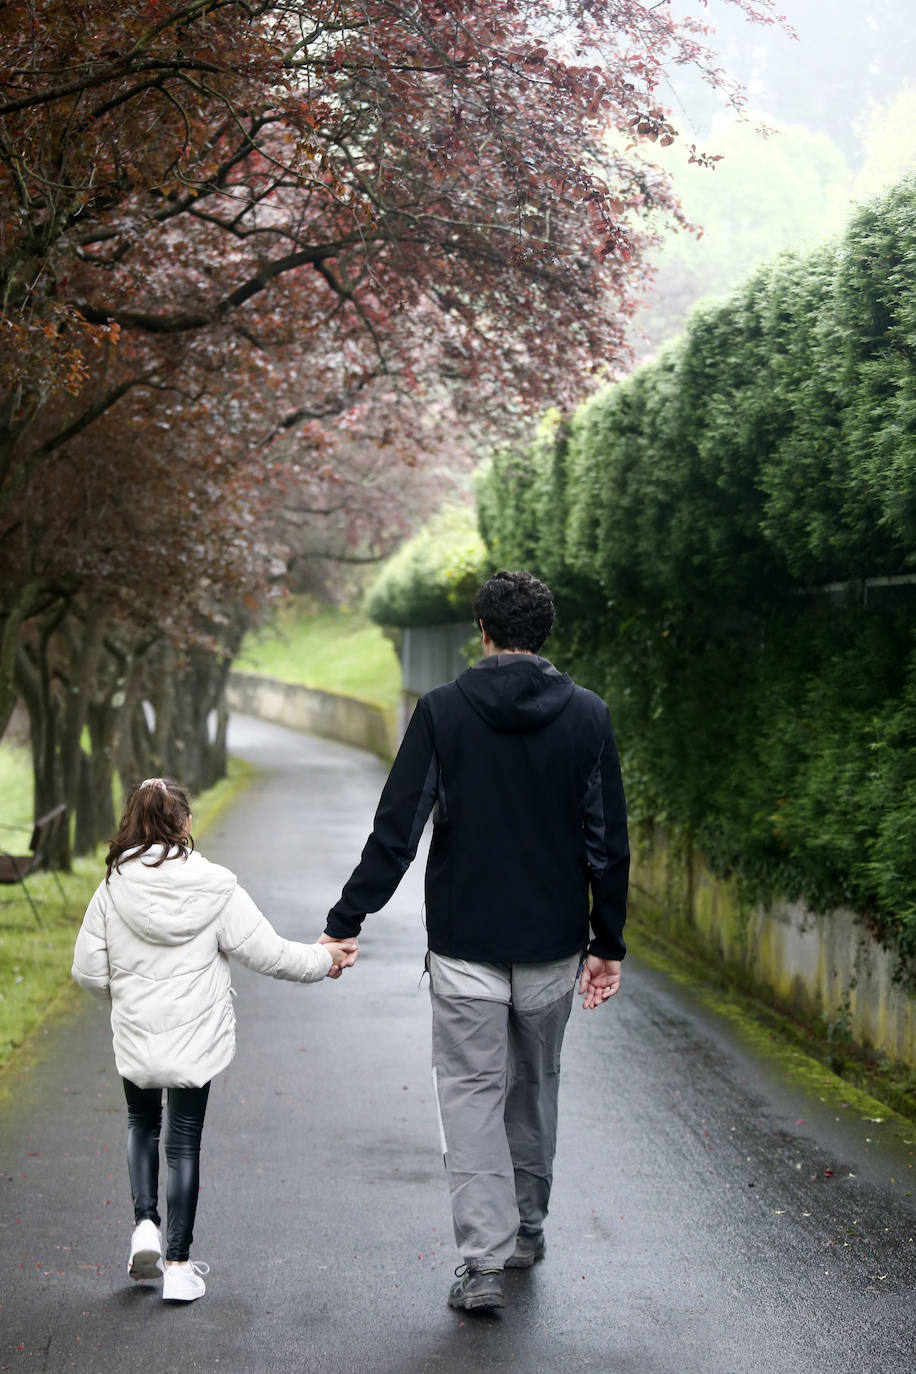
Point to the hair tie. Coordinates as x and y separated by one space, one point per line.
154 782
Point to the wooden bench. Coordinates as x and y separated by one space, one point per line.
14 868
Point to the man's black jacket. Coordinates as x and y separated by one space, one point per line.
530 819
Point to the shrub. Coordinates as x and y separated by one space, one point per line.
432 579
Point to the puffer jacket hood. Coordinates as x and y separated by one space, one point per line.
171 903
516 693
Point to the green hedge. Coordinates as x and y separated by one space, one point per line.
693 520
432 579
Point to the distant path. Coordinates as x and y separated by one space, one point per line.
695 1229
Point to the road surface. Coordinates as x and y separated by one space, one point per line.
706 1219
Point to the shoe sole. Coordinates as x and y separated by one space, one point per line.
146 1264
513 1263
479 1303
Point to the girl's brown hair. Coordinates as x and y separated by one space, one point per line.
156 813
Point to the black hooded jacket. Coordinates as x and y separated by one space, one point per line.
529 838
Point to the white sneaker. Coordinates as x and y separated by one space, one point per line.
183 1282
145 1252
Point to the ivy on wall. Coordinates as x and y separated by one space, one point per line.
729 534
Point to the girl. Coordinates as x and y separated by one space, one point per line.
155 942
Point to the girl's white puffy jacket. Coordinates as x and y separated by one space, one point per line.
157 941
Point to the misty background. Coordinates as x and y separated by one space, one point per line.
842 103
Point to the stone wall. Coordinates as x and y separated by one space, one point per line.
316 713
826 968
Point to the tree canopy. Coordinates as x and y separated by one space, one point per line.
264 257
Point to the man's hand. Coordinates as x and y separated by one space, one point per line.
351 945
599 980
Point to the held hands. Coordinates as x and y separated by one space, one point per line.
599 980
344 953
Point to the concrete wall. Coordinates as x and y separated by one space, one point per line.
433 654
316 713
827 968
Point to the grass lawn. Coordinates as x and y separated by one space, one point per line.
35 961
334 650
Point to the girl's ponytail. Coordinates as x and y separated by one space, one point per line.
156 813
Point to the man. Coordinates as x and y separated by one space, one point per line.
530 823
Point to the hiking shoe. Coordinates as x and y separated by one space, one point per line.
145 1252
530 1246
183 1282
476 1289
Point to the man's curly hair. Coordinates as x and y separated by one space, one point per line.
516 610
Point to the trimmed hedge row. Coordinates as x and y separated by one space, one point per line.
713 528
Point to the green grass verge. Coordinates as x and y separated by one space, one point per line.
333 650
15 794
35 961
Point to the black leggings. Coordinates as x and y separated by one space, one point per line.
186 1109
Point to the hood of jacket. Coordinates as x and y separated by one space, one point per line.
171 903
515 693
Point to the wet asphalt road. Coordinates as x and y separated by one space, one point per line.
706 1218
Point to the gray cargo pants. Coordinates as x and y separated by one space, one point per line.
497 1035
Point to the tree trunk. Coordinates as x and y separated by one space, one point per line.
84 655
12 622
95 819
133 744
189 753
34 681
84 840
110 717
105 724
